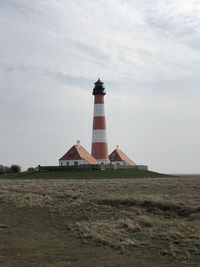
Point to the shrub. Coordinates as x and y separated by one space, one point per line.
15 168
30 169
2 169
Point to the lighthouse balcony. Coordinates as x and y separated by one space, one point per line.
100 91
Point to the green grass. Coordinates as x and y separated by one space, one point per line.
107 174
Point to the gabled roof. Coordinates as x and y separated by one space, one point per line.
118 155
77 152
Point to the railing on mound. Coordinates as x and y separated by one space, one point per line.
91 167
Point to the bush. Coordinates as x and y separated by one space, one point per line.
15 168
30 169
2 169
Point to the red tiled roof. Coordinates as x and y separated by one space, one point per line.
77 152
118 155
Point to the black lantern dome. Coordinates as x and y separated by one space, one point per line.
99 89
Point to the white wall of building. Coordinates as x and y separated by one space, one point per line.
118 163
103 161
72 162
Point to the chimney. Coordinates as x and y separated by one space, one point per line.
78 143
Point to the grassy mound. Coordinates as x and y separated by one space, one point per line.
107 174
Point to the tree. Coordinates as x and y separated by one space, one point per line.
15 168
2 169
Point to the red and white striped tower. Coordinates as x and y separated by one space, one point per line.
99 142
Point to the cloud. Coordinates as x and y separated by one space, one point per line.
127 40
146 51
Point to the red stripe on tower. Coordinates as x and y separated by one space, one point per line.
99 141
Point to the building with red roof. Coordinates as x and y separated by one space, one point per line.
118 157
77 155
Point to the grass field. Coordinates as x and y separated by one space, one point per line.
128 173
100 222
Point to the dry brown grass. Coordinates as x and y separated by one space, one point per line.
142 216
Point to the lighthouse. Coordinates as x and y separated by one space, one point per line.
99 140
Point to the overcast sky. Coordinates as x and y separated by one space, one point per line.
146 52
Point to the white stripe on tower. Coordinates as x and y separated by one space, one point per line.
99 110
99 136
99 141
